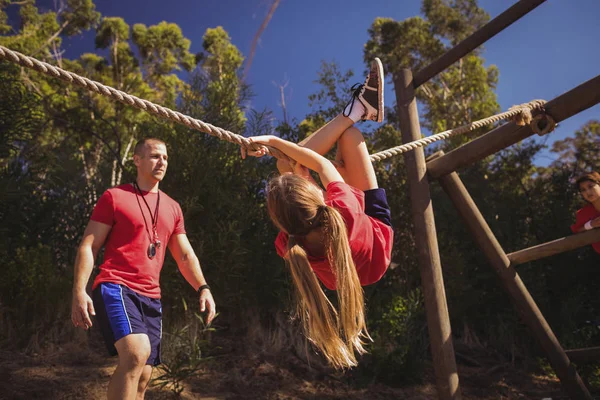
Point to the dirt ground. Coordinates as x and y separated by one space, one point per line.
75 372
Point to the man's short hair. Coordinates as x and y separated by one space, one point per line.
139 146
589 177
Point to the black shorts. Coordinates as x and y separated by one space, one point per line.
120 312
376 205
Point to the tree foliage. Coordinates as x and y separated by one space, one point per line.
464 92
61 147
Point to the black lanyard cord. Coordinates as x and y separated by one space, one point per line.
153 217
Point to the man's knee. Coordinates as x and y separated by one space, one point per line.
134 351
135 359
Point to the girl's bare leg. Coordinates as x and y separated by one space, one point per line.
352 152
357 168
324 138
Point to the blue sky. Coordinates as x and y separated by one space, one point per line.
549 51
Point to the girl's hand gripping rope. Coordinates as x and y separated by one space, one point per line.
262 150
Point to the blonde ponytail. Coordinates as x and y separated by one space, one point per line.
350 294
296 207
319 317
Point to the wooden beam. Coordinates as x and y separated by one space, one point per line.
513 284
555 247
438 321
584 356
564 106
476 39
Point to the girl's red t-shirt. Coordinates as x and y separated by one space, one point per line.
370 239
126 260
584 215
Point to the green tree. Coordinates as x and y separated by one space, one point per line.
41 34
4 26
579 153
113 33
333 93
464 92
163 49
219 73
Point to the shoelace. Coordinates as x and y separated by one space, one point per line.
356 89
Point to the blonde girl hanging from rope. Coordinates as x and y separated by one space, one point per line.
341 236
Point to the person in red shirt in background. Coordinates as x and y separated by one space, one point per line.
588 217
134 222
341 236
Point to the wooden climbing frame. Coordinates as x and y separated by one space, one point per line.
443 168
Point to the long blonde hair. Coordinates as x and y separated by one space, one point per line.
296 208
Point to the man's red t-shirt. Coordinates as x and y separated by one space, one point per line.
370 239
584 215
126 259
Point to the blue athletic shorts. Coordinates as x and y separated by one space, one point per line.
120 311
376 205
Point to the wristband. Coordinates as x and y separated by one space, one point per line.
588 226
201 288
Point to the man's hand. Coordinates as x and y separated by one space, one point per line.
207 303
81 309
595 223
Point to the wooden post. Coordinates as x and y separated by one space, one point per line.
554 247
523 301
438 322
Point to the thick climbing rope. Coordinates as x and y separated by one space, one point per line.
145 105
521 113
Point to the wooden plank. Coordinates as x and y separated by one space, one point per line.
513 284
584 356
476 39
438 321
555 247
564 106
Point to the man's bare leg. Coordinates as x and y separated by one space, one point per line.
134 351
144 381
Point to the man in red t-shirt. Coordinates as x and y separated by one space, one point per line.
135 222
588 217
